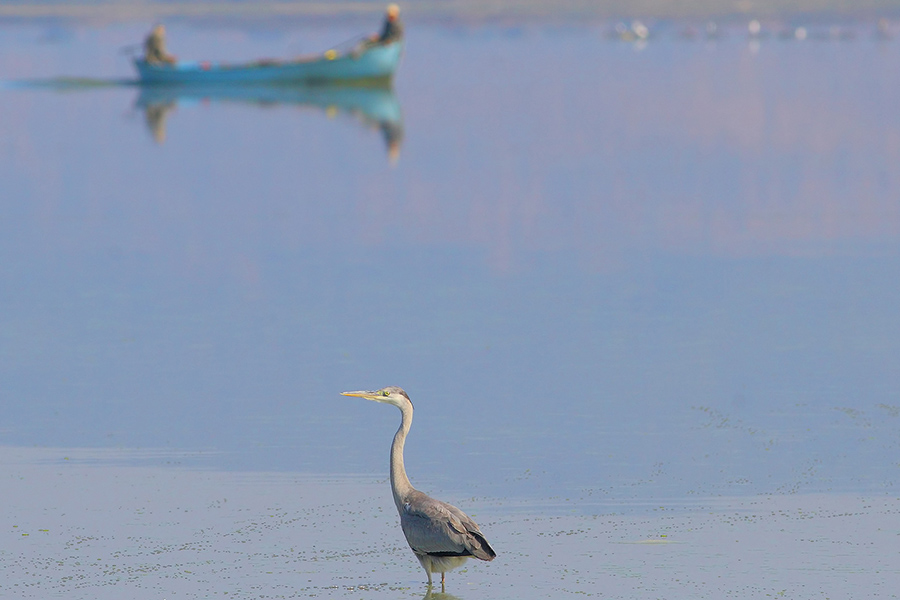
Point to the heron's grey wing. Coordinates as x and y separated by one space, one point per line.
437 528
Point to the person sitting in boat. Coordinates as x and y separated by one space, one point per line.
391 31
155 47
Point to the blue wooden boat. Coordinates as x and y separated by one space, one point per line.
376 63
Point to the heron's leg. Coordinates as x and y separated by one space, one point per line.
442 583
425 561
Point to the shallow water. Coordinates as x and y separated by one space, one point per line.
85 530
633 291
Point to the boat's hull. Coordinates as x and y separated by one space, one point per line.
374 64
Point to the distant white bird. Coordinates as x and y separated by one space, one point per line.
441 536
754 28
640 30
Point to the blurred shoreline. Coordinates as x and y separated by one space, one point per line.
471 11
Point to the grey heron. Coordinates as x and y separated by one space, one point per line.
440 535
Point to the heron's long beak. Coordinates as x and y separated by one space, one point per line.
362 394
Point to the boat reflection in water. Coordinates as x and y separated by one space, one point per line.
375 106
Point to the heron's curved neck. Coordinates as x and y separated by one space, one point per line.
400 485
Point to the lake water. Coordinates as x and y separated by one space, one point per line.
644 297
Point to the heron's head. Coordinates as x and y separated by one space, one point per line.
389 395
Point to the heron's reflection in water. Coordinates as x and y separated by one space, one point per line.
376 107
430 595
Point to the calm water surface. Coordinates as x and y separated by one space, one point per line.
616 281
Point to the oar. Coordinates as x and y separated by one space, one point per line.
351 42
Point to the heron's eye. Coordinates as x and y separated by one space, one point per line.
385 393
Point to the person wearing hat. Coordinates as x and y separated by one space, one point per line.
392 30
155 47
